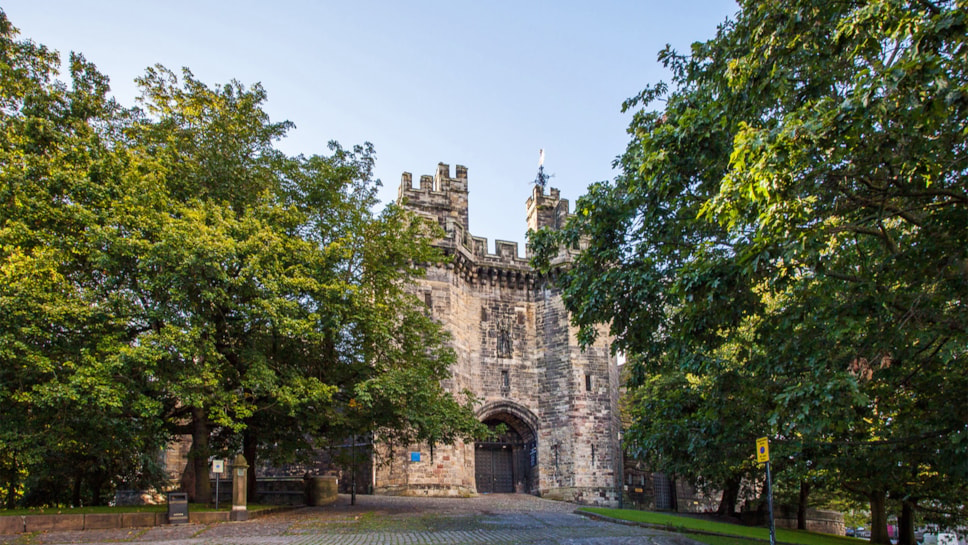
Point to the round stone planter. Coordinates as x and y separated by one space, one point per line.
323 490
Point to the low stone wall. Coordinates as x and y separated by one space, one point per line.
281 491
269 491
818 520
94 521
655 491
582 495
11 525
100 521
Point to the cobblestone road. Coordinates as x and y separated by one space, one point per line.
382 520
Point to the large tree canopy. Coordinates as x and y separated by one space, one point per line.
166 269
795 210
70 413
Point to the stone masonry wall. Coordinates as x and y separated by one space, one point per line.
443 472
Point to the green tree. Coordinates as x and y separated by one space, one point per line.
168 270
65 392
689 427
272 291
801 191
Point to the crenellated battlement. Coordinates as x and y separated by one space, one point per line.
476 248
441 182
438 196
444 199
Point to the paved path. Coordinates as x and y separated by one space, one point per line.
383 520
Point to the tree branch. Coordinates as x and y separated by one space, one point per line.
930 6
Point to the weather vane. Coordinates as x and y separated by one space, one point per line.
542 179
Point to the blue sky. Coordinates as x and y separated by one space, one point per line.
482 84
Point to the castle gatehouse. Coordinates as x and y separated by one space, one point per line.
518 354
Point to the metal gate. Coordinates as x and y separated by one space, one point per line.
493 469
662 487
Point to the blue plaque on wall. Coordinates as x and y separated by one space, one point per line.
414 456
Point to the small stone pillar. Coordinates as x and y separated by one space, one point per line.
239 468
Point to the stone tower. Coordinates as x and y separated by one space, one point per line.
517 352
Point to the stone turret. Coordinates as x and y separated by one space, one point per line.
546 210
440 196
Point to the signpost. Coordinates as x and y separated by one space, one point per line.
218 466
763 457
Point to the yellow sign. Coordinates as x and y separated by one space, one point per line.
762 450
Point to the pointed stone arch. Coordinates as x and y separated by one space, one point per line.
505 407
507 463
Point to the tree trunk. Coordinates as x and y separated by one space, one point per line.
76 491
906 523
802 505
878 501
198 455
673 492
249 443
188 480
727 505
12 484
763 506
97 483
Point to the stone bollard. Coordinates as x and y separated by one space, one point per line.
239 468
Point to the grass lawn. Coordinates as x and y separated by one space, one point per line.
162 508
734 534
723 540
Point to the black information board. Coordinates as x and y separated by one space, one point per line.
177 507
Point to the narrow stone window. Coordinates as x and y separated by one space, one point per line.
505 382
483 314
429 299
588 382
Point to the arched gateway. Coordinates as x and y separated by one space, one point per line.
507 462
516 352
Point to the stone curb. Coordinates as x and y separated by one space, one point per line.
141 520
103 520
19 524
669 528
12 524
